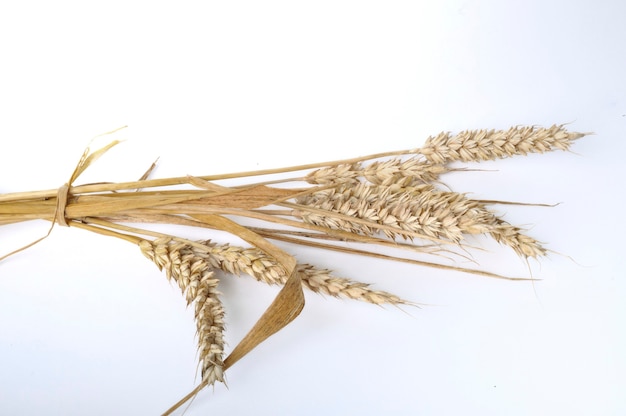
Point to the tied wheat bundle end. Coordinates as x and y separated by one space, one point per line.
362 206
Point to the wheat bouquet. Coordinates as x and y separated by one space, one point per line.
389 200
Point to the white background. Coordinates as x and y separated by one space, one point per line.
89 326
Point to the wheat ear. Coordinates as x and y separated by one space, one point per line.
477 145
419 209
422 209
322 281
256 263
409 172
189 268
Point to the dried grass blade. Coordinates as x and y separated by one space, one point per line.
278 315
90 157
374 254
222 223
285 308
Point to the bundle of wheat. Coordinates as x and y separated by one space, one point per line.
394 199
